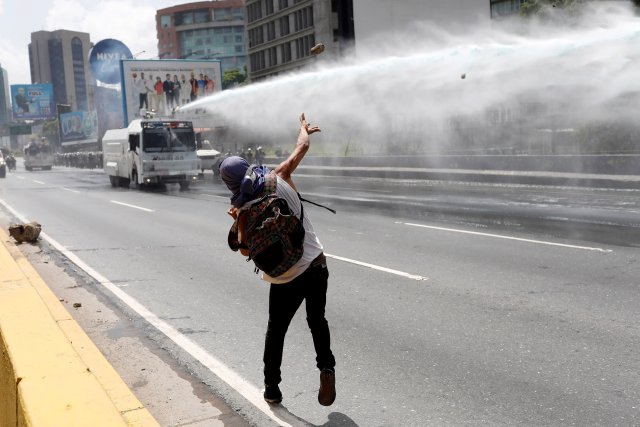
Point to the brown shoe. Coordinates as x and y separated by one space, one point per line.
327 392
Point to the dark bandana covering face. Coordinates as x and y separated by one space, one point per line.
235 173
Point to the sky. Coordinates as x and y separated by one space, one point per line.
130 21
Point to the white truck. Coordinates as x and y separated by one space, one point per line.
151 152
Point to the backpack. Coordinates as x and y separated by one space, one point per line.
274 235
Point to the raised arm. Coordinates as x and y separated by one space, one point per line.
286 168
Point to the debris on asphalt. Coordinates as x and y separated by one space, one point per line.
27 232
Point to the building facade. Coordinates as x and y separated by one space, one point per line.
381 18
282 32
61 58
5 96
376 17
204 30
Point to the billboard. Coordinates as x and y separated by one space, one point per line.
105 59
161 85
78 127
32 101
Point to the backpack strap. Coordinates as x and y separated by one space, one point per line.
314 203
270 183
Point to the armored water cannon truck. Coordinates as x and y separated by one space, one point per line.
38 155
151 152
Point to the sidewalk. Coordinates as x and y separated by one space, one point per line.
51 373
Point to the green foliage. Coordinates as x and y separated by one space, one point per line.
50 130
232 78
544 7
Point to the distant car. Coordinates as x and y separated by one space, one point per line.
207 156
3 166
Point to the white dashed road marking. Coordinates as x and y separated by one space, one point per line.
131 206
499 236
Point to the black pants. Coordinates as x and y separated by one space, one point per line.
284 300
143 100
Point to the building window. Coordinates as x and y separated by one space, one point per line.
256 36
80 83
56 64
283 4
165 21
185 18
257 61
272 54
222 14
271 30
286 52
284 26
201 16
254 12
269 7
304 45
303 18
238 14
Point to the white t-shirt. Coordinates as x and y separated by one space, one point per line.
312 246
136 87
185 89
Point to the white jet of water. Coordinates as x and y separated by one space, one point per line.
581 70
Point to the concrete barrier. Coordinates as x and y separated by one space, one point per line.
598 171
51 373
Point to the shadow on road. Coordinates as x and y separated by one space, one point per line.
336 419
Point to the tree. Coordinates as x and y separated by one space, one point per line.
543 7
50 131
232 77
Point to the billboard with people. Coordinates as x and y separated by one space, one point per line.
163 85
78 127
33 101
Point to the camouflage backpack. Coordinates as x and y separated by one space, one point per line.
274 235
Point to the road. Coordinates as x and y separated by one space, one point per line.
434 322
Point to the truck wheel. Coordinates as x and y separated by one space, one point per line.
124 182
134 178
184 185
113 180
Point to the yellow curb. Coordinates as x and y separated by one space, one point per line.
51 373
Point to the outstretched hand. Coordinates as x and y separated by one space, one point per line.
306 126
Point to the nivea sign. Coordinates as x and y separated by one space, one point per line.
105 60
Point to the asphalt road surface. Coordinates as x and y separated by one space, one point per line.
434 322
